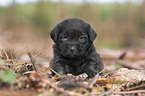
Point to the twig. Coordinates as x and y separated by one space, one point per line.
125 92
11 57
1 56
58 89
100 88
37 54
7 57
53 71
137 87
28 72
6 64
106 93
95 79
32 59
25 65
127 64
122 56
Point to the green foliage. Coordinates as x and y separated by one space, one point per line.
118 82
105 12
117 66
60 73
8 76
110 20
1 61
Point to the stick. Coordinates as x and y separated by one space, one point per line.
28 72
100 88
95 79
53 70
32 59
7 57
106 93
125 92
37 54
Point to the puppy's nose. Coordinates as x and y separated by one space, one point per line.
72 49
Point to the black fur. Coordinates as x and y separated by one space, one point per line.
74 51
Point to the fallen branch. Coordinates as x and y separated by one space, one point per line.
139 65
53 71
95 79
32 59
106 93
126 92
100 88
37 54
28 72
7 57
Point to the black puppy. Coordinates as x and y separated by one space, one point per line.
74 51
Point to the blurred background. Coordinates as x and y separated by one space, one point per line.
27 23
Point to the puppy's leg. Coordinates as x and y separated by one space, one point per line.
59 68
92 68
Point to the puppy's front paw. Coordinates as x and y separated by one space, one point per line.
58 69
91 74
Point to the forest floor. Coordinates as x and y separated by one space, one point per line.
30 75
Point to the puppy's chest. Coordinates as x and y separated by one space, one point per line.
75 66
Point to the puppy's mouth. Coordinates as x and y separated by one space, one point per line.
72 55
69 54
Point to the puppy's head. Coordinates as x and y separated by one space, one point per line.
73 37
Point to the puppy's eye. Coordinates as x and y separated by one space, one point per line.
64 38
82 38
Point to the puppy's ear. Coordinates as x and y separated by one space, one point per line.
54 33
92 34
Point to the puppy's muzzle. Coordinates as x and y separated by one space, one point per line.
72 49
